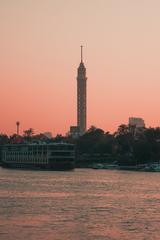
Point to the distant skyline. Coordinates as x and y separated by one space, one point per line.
40 43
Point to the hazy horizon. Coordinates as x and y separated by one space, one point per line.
40 53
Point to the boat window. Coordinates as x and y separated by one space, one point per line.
61 153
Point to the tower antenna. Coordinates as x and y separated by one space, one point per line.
81 53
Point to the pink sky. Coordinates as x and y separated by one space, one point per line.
40 52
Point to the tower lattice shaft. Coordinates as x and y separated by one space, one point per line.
82 96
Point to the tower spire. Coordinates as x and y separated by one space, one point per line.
81 53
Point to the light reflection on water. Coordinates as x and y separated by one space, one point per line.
84 204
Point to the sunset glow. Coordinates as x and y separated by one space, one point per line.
40 53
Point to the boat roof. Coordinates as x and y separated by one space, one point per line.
39 144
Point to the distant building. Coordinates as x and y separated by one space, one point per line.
48 135
74 131
136 125
137 122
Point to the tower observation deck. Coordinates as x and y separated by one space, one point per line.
81 96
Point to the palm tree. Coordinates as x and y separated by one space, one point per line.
28 133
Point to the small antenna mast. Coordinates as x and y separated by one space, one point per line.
81 53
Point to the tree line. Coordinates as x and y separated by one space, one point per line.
126 146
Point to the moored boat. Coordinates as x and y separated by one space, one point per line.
56 156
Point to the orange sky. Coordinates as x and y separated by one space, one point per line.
40 52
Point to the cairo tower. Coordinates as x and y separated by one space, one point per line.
81 96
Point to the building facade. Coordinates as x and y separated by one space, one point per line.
137 122
136 125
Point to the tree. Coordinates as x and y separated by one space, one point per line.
59 138
124 139
123 129
3 139
142 152
94 141
28 133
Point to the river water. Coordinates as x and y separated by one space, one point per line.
83 204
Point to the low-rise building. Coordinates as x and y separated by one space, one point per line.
136 125
74 131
